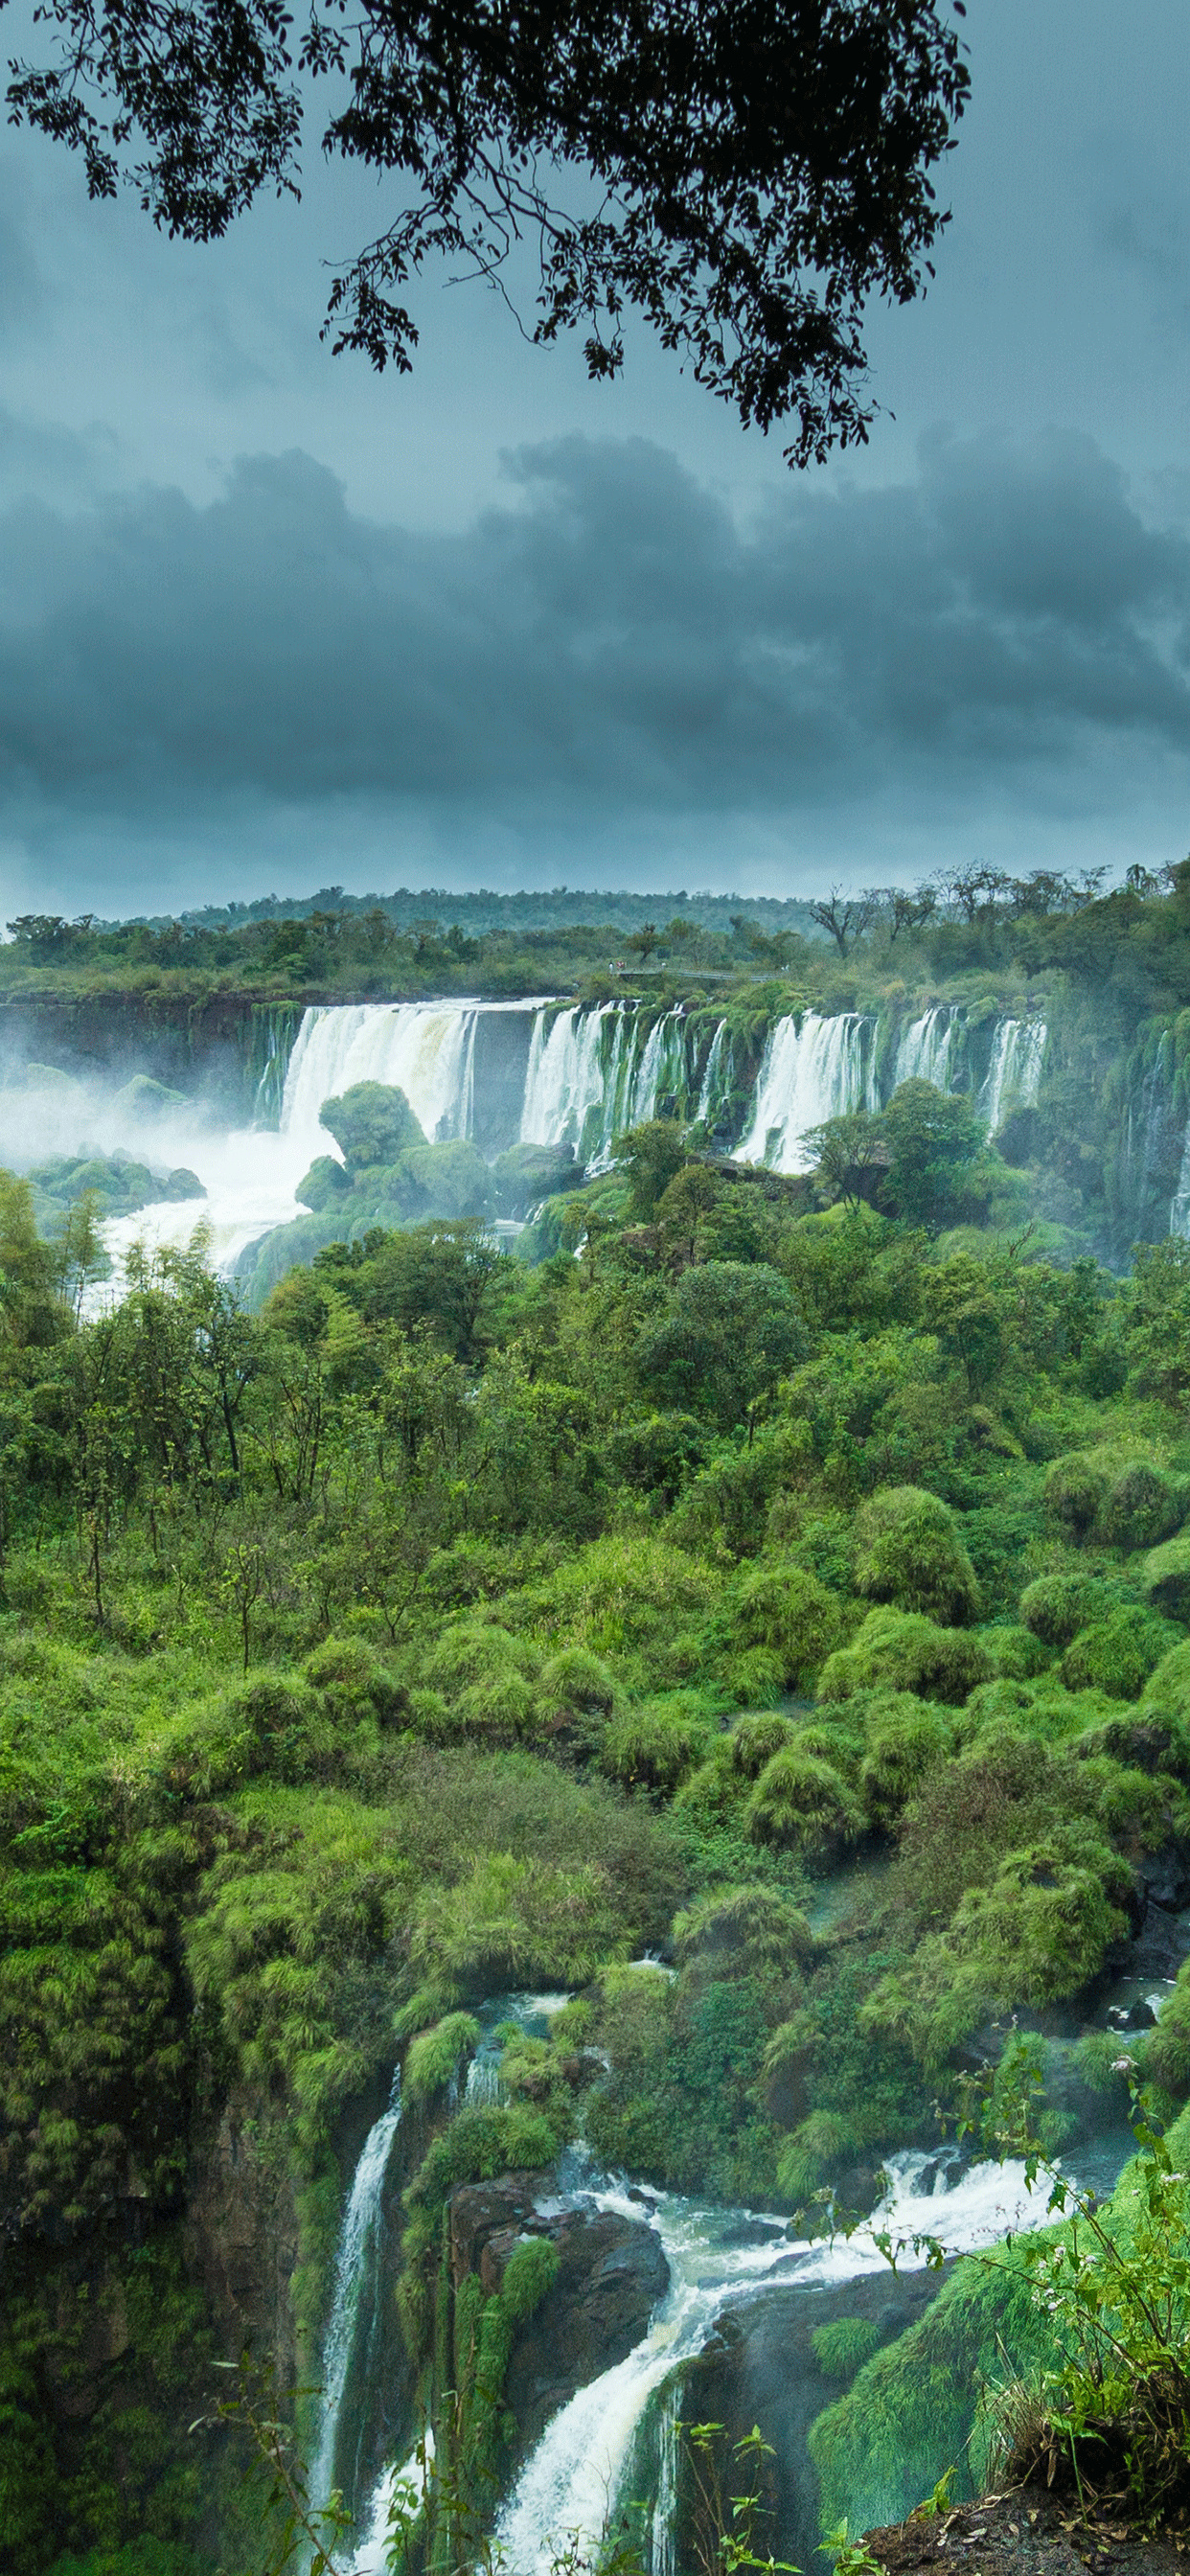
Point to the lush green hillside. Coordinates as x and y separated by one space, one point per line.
462 1622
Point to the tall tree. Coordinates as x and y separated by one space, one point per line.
749 172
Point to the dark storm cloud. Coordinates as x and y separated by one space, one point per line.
609 641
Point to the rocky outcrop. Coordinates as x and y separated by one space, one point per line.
611 2274
760 2368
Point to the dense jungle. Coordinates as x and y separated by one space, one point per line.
591 1735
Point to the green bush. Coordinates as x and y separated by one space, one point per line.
472 1652
652 1747
577 1679
754 1740
433 2059
745 1932
842 2347
1016 1653
909 1552
902 1650
1075 1493
1058 1605
1145 1740
502 1709
1143 1505
904 1742
372 1124
787 1611
818 2145
529 2274
1117 1654
800 1802
353 1680
1164 2053
1165 1578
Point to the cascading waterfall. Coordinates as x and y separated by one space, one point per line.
1015 1070
924 1050
358 2271
570 2483
812 1069
565 1078
663 2528
426 1048
716 1080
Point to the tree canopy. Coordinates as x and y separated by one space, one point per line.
746 173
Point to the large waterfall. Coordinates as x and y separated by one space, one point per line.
813 1069
571 2481
1015 1070
359 2287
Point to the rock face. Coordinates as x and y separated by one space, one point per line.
760 2368
611 2274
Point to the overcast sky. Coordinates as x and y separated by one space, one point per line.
267 622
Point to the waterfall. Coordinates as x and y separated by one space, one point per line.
1179 1213
812 1069
1015 1070
923 1051
406 2486
565 1079
357 2267
570 2482
663 2529
426 1048
716 1080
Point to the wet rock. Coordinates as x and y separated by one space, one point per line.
611 2273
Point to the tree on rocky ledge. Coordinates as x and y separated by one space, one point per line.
747 174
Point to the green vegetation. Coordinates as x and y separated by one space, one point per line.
764 1619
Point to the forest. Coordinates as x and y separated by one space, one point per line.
751 1609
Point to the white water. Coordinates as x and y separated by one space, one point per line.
408 2484
425 1049
716 1078
812 1070
359 2244
1015 1070
564 1082
923 1050
663 2531
718 2258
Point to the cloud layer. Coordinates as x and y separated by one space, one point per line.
1005 631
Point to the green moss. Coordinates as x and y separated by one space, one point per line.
1058 1605
842 2347
786 1611
801 1802
1165 1578
904 1741
652 1747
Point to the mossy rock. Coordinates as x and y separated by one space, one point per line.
434 2059
447 1181
1144 1740
842 2347
372 1124
908 1551
526 1174
324 1183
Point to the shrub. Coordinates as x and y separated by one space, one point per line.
530 2272
753 1677
1165 2051
801 1801
1165 1578
353 1680
842 2347
909 1552
902 1650
745 1932
435 2056
1143 1505
1145 1740
475 1651
1075 1492
652 1747
502 1708
1117 1654
575 1678
818 2144
1016 1653
1058 1605
904 1744
372 1123
754 1740
1168 1688
787 1610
